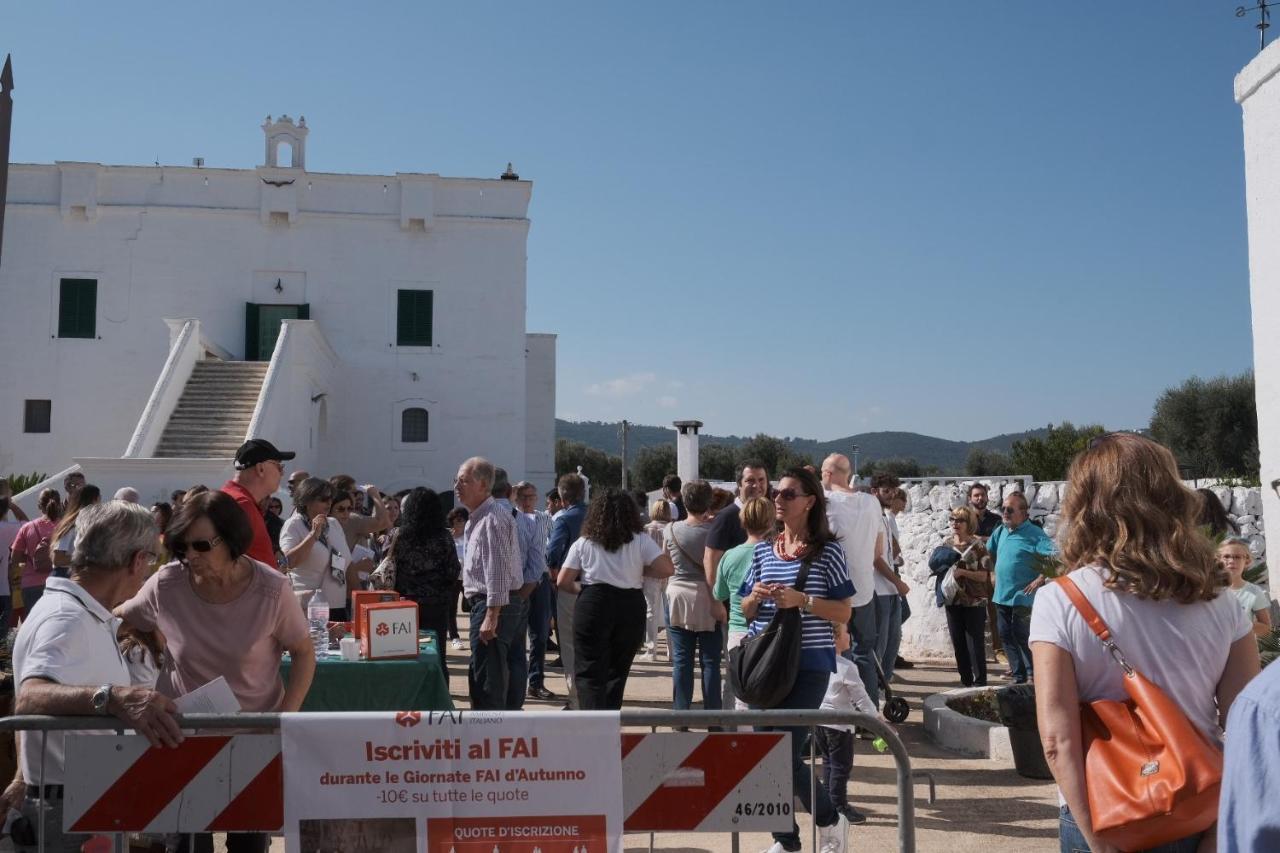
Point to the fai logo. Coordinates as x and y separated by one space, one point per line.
408 719
383 629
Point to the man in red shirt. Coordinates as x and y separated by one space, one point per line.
259 467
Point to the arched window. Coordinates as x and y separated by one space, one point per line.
413 426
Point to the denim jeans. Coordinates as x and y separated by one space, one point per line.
709 645
863 634
542 606
836 748
888 631
490 671
517 658
810 687
1015 632
1071 839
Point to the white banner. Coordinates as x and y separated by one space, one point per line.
452 782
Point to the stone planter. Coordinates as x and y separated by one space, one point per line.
966 735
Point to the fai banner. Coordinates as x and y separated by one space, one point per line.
453 782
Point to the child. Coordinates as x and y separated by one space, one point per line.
845 692
1235 557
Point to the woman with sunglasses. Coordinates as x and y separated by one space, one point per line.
970 564
315 547
806 540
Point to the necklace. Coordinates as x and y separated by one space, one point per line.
780 549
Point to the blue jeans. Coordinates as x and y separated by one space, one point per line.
1015 633
542 606
807 692
1071 839
490 671
862 633
517 659
709 645
888 631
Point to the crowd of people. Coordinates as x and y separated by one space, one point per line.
208 585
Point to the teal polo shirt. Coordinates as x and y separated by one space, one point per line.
1014 553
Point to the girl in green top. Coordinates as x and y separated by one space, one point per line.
759 521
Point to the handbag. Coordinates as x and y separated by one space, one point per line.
762 669
1151 776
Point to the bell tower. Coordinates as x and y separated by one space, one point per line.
283 131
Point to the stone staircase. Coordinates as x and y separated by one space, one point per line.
213 414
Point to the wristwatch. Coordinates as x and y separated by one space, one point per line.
807 607
101 698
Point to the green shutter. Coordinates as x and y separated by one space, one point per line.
304 312
413 318
250 332
78 308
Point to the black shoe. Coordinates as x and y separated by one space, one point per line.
558 663
542 693
902 663
851 814
553 646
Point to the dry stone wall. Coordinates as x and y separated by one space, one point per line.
925 524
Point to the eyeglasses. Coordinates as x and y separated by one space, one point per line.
959 521
1008 510
788 495
203 546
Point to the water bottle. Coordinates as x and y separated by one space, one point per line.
318 623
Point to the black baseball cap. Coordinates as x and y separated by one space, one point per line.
258 450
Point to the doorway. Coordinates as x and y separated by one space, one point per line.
262 327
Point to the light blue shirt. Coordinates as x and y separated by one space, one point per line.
1248 811
533 546
1014 552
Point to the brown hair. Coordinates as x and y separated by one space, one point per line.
697 496
819 530
1127 510
613 519
228 520
720 498
758 517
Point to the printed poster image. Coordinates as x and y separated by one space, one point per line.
468 781
373 835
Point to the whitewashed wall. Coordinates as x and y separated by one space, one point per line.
925 525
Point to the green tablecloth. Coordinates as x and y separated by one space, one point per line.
380 685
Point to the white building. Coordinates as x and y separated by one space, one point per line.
382 318
1258 93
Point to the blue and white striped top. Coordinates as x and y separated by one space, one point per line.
828 578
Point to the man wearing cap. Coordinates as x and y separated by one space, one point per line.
259 467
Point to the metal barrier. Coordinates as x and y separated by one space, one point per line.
651 719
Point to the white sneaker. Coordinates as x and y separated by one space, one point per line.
647 657
834 838
457 643
776 847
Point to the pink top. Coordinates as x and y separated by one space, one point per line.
241 640
25 544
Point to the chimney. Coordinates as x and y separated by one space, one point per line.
687 450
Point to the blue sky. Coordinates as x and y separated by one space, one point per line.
810 219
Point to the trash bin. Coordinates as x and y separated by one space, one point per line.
1017 704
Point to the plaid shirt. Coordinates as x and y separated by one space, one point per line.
491 564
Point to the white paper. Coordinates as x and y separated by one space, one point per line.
359 553
213 698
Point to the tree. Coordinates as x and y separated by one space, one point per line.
651 465
775 453
986 463
602 469
898 467
717 462
1048 458
1210 425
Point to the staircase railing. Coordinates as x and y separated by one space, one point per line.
185 351
300 374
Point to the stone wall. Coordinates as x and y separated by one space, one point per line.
925 524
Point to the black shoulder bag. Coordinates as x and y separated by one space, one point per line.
762 670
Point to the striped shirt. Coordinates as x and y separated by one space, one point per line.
828 578
491 554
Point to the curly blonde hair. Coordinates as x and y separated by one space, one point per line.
1126 509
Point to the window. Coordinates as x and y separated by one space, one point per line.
36 416
413 426
78 308
413 318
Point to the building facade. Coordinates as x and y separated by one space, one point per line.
409 288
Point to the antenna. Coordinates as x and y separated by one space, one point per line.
1264 19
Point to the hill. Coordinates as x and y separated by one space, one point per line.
926 449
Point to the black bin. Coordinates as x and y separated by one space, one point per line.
1017 704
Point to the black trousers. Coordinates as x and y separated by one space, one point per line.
608 628
968 628
434 616
836 748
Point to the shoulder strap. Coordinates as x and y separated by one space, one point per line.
676 541
1091 617
802 576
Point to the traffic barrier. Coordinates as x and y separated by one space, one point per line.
686 781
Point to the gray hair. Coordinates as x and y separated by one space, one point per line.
110 534
310 490
501 487
127 493
481 469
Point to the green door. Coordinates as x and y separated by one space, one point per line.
262 327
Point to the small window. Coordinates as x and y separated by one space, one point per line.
413 318
78 308
413 426
37 416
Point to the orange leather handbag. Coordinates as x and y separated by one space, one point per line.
1151 776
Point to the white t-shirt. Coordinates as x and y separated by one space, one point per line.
624 568
1252 598
68 638
889 528
855 518
68 541
1182 648
846 692
313 571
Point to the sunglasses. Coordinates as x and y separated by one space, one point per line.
1008 510
203 546
788 494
